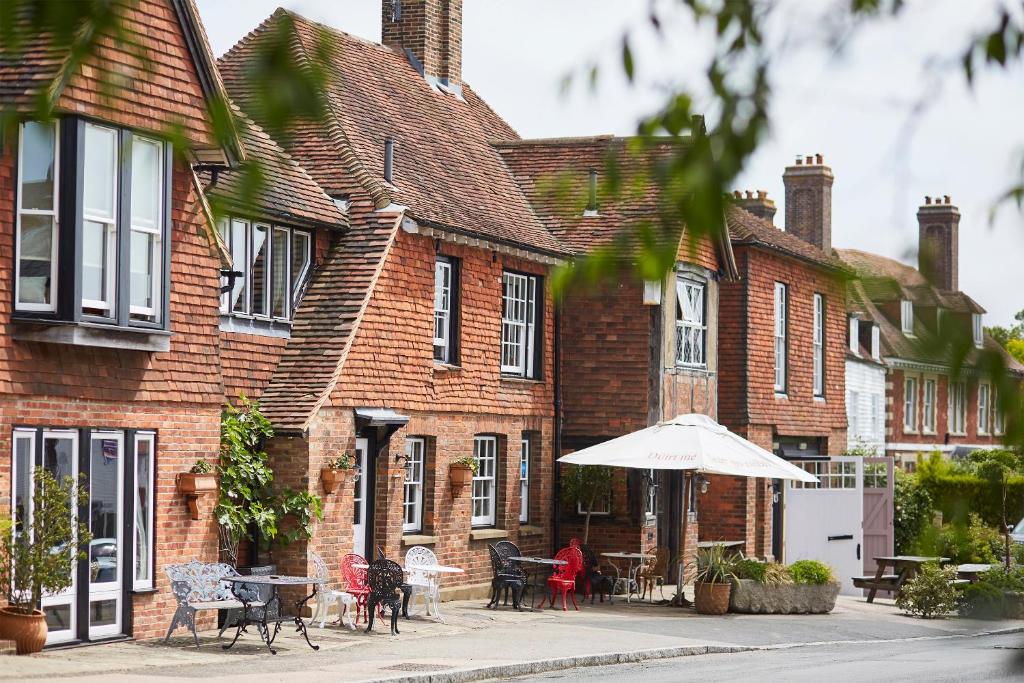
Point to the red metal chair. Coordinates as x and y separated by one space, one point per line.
355 582
563 579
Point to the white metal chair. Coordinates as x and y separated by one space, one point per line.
422 582
326 595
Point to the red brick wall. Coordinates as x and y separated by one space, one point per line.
895 393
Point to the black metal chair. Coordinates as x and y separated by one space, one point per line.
405 588
595 583
507 550
385 579
507 578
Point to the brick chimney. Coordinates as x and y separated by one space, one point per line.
809 201
756 203
938 242
429 32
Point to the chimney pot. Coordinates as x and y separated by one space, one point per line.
946 197
750 195
799 160
810 160
927 200
737 194
761 194
819 159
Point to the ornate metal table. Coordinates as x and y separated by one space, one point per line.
535 575
266 618
630 578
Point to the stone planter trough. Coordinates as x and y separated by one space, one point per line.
751 597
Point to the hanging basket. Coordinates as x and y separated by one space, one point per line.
460 476
332 477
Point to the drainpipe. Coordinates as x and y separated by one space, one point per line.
557 479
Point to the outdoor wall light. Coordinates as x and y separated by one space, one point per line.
399 457
776 489
703 482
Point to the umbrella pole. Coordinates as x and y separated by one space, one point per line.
680 600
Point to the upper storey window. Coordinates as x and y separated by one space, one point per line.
691 325
271 265
520 328
92 224
907 317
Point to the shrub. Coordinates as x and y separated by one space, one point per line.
811 571
1017 553
929 594
714 565
751 569
972 542
1012 580
912 511
956 493
982 600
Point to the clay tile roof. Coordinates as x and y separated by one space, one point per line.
746 228
289 195
446 172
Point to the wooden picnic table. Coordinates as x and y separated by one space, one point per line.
904 566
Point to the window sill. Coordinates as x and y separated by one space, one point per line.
247 324
819 399
418 539
487 534
530 530
144 591
92 334
512 379
781 396
446 367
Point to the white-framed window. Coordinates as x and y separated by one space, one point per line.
691 325
412 500
854 335
602 507
99 221
984 407
907 317
876 342
443 291
957 407
910 404
273 262
524 480
928 414
781 316
35 283
978 330
484 496
997 414
818 346
830 474
853 411
146 243
877 424
142 522
519 331
651 494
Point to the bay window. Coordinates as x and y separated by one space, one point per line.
691 326
520 328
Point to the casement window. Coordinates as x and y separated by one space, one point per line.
978 330
930 394
876 342
907 318
957 407
854 338
520 324
853 412
92 239
446 304
602 507
412 501
145 447
818 346
484 496
273 263
984 407
877 428
997 414
651 494
781 318
691 323
910 404
524 480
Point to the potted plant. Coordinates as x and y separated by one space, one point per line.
712 581
461 471
39 558
335 471
198 481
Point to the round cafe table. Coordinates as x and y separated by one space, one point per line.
432 568
535 574
629 579
258 616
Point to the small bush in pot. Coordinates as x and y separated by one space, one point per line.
930 594
39 558
766 573
712 581
811 572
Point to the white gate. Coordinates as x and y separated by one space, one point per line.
824 521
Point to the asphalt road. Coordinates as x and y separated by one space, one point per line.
986 658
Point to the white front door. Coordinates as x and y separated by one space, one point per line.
359 503
824 521
106 484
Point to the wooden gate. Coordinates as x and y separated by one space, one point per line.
879 533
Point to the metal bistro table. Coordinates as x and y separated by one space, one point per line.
429 569
243 588
629 578
535 574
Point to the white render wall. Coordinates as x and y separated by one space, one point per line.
865 405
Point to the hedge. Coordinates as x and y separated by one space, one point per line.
957 495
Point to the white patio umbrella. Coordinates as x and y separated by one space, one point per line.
693 443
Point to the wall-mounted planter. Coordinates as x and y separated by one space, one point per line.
192 486
331 478
751 597
459 476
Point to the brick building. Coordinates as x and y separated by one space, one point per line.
109 362
927 408
782 356
632 353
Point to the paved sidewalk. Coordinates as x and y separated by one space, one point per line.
478 643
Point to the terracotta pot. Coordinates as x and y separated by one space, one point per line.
190 483
460 475
28 631
331 478
711 598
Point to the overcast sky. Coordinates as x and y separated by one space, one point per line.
855 106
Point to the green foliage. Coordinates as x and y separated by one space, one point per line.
811 572
469 461
957 492
930 593
202 466
973 542
585 485
342 462
768 573
1004 579
247 497
982 600
39 558
912 511
715 565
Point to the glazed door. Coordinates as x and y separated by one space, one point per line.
359 502
106 485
